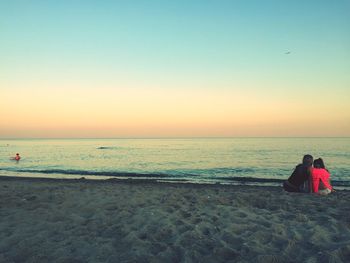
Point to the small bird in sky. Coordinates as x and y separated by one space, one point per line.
287 53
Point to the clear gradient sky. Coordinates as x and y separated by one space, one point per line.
132 68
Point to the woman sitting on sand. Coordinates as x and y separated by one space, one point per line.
320 178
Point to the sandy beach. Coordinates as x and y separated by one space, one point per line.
112 221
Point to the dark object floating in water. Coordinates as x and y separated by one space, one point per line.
287 53
106 148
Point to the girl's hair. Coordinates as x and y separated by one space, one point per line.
318 163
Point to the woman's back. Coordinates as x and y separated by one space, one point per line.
320 176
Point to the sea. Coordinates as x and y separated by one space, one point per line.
239 161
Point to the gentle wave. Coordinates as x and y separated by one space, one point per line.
169 175
85 172
221 170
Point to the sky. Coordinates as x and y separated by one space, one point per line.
194 68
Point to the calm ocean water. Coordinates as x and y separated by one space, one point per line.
264 161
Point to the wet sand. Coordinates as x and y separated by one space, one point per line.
112 221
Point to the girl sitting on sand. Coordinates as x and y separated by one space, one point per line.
320 178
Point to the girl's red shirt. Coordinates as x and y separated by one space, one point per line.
320 174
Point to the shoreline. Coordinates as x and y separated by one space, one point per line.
154 181
80 220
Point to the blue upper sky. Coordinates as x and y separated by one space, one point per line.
180 37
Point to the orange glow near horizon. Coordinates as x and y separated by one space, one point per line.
136 112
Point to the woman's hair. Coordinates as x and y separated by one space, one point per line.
307 160
318 163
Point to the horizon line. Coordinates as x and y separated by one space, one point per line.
167 137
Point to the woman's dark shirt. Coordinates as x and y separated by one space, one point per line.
300 174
